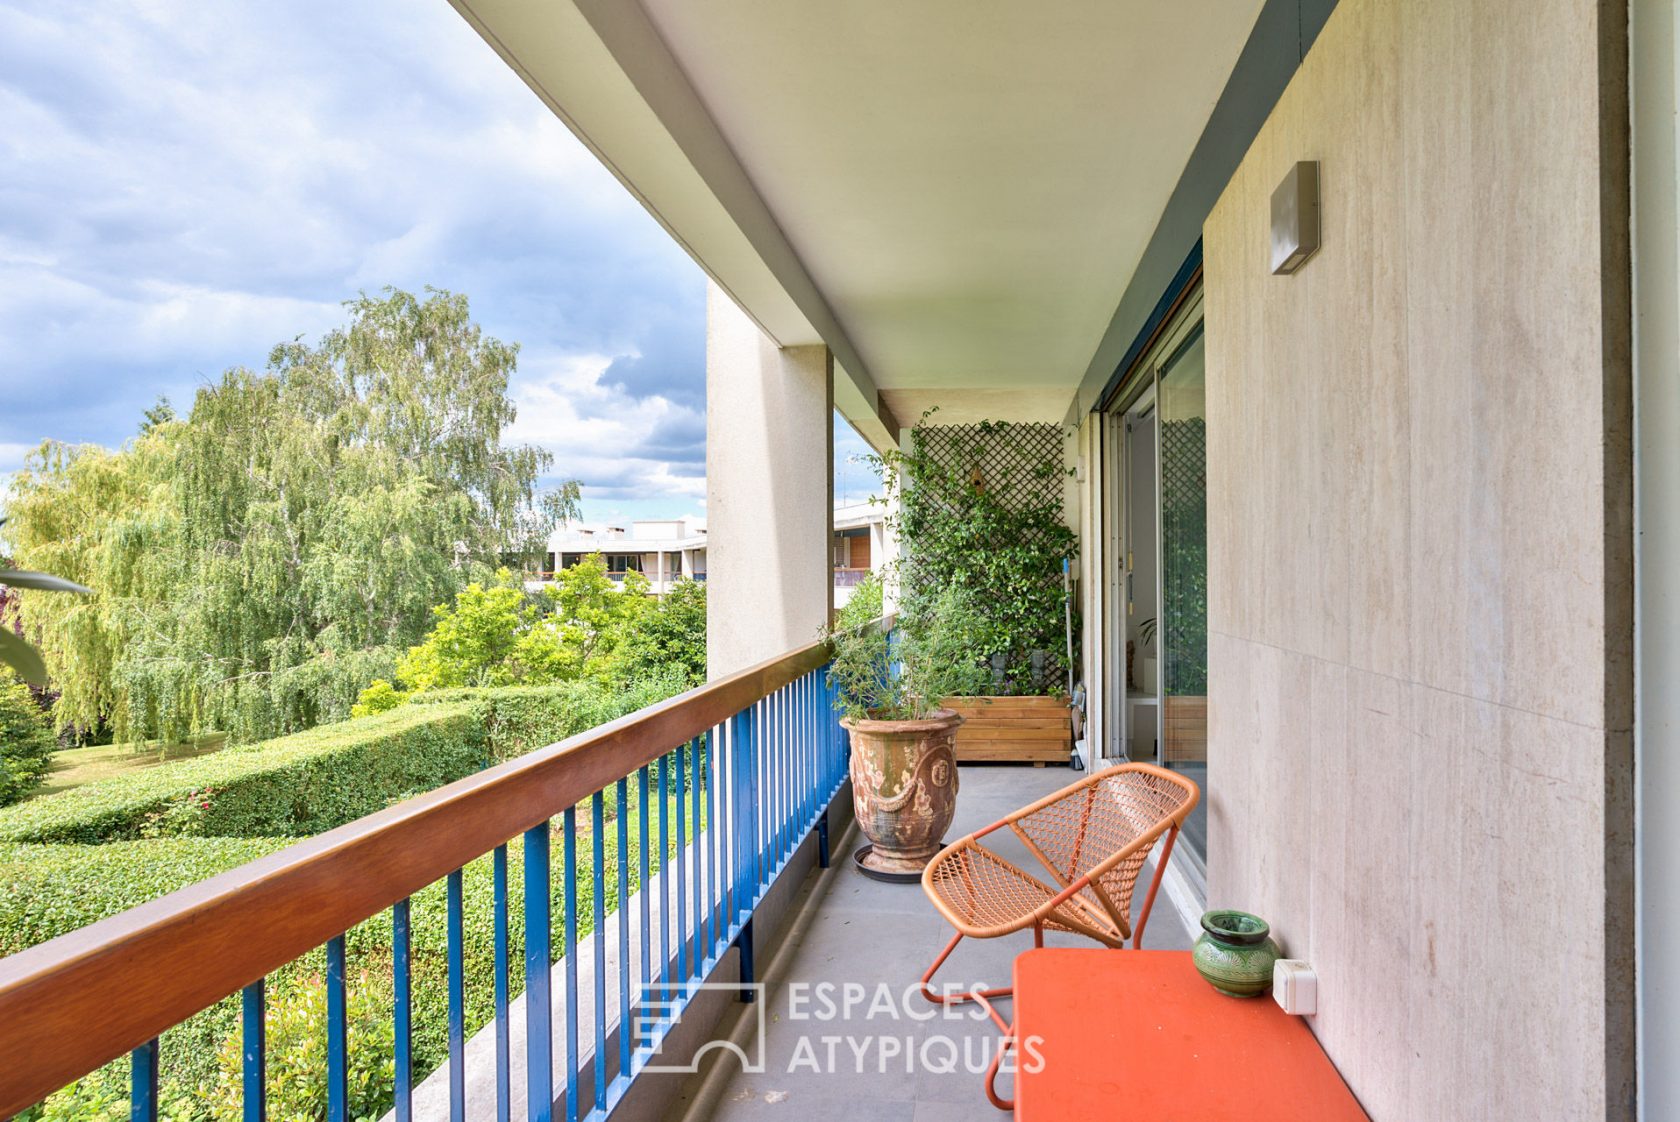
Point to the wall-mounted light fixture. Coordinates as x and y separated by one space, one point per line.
1295 218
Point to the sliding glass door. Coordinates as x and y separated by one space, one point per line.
1162 517
1182 467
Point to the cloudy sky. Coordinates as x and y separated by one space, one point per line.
182 185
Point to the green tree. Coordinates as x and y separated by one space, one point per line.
473 641
260 561
26 742
498 635
670 640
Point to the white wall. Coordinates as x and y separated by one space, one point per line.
769 491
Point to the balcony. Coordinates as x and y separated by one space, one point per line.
727 802
849 578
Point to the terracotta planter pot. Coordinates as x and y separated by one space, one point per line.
904 789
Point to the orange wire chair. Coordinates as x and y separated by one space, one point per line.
1092 838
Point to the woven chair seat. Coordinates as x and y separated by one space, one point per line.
1098 832
993 897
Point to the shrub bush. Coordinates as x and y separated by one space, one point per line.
291 787
26 742
297 1054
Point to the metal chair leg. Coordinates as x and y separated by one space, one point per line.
956 999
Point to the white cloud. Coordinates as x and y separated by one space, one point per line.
188 184
597 434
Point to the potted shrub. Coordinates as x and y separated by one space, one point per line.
980 507
904 771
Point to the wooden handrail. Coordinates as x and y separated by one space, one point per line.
87 997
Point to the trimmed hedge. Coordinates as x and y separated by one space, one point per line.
47 890
521 719
292 787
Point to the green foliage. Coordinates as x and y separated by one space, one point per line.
262 559
297 1055
1005 551
908 673
864 606
594 617
295 786
669 642
17 653
380 697
473 641
26 742
499 635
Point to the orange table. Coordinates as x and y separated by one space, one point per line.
1139 1035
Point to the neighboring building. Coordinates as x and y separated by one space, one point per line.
666 550
860 546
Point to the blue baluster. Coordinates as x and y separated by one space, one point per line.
402 1004
598 866
697 852
539 1010
569 832
253 1052
624 1033
813 740
664 879
755 818
789 697
713 891
456 946
338 1035
644 886
743 782
681 863
143 1082
770 796
499 893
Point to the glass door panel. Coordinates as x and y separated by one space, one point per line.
1182 632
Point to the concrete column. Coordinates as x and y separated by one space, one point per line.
769 490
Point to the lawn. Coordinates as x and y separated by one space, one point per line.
73 767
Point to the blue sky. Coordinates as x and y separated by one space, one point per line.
185 185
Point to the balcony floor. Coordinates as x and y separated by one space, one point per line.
882 936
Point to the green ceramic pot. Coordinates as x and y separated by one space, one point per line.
1235 953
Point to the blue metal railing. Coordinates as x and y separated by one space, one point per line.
733 806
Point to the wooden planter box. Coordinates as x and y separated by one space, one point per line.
1028 730
1185 726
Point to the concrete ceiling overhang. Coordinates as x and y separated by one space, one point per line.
952 195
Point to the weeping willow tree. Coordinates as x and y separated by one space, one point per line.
259 561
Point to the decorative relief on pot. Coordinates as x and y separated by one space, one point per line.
904 788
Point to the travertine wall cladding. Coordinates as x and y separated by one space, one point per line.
1419 553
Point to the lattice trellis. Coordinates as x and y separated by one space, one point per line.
1184 554
1020 465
